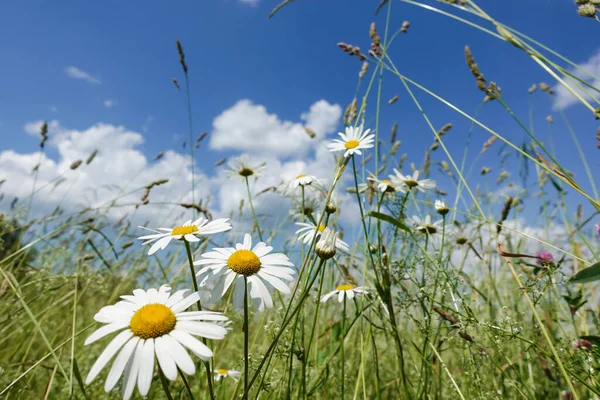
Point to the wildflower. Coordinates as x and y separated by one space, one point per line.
303 180
224 373
325 247
188 231
544 257
410 182
240 166
441 207
385 185
598 228
425 225
352 141
226 265
582 344
308 231
344 291
153 323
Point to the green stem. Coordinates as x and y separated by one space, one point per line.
246 386
209 377
165 384
253 212
342 345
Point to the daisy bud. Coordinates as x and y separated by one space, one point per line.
325 247
441 207
587 10
330 208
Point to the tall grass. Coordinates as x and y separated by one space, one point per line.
463 308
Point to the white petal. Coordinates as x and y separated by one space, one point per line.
186 302
146 367
160 244
105 330
350 294
165 361
111 349
152 295
141 295
201 315
259 290
247 241
276 283
328 296
163 294
176 297
180 356
119 364
340 296
197 347
204 329
131 372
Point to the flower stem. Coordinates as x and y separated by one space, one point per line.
165 384
252 208
342 345
209 376
246 371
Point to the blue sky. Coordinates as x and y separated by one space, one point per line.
285 64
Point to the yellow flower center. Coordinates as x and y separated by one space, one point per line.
300 176
387 182
246 172
344 287
244 262
351 144
321 228
222 371
152 321
184 230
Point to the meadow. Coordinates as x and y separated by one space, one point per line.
447 288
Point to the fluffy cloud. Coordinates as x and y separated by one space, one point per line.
250 128
76 73
564 98
108 103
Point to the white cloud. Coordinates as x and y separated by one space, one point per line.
250 128
252 3
108 103
564 98
76 73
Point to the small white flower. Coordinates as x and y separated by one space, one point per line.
410 182
425 225
309 230
223 373
344 291
352 141
303 180
188 231
226 265
325 247
386 186
441 207
241 167
153 324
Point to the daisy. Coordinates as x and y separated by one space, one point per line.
224 373
325 247
226 265
240 166
425 225
413 181
386 185
441 207
303 180
344 291
152 324
352 141
308 231
188 231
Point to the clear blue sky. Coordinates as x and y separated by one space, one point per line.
287 63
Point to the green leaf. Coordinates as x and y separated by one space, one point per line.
589 274
390 219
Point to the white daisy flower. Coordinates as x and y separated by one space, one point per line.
152 323
413 181
303 180
241 167
441 207
188 231
344 291
425 225
226 265
386 185
224 373
352 141
325 247
309 230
